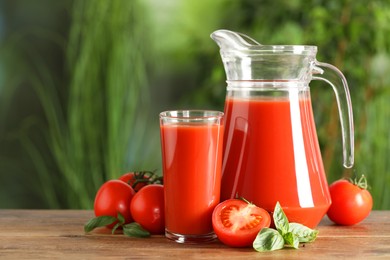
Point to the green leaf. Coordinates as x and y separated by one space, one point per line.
117 225
303 233
100 221
121 222
280 219
291 239
135 230
121 218
268 239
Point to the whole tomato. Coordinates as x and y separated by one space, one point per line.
351 201
237 223
112 197
147 208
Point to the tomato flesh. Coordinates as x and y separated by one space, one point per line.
350 203
237 223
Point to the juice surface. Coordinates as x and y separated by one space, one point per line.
192 158
271 154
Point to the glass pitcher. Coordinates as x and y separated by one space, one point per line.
271 150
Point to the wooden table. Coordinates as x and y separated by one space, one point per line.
51 234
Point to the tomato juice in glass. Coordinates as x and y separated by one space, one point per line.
271 154
191 143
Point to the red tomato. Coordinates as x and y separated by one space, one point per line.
237 223
147 208
350 203
112 197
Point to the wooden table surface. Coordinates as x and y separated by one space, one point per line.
53 234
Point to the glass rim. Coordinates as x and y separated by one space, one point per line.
193 114
275 49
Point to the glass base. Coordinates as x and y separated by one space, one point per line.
190 239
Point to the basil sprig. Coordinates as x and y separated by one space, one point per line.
285 234
131 229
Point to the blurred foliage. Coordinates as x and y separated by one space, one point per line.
93 119
82 80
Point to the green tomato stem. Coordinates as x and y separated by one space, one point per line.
361 182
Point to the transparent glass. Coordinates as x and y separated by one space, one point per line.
191 145
271 150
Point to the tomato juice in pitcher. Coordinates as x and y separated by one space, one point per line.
260 157
271 150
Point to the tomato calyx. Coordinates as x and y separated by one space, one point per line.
148 177
139 179
360 182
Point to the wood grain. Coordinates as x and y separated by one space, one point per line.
53 234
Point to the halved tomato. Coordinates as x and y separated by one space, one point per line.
237 223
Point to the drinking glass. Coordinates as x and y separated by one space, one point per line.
191 145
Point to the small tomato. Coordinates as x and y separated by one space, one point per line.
351 201
147 208
112 197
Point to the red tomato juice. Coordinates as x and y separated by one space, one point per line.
192 158
271 155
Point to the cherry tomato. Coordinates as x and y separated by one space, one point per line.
237 223
147 208
351 202
112 197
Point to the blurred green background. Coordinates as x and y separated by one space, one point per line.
82 83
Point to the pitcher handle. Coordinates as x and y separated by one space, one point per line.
334 77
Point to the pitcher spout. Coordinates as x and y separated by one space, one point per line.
233 40
245 59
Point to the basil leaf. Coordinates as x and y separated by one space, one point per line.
268 239
304 233
117 225
135 230
291 239
280 219
100 221
121 222
121 218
